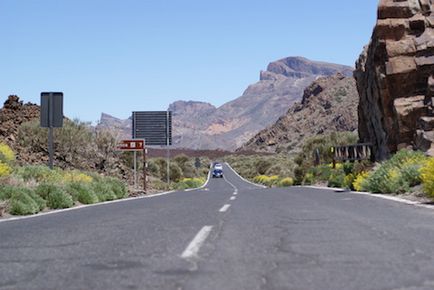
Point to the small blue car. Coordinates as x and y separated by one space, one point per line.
217 173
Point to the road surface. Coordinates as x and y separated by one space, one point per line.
228 235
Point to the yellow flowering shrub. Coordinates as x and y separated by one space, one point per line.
261 179
358 182
286 182
427 176
6 154
5 169
76 176
338 166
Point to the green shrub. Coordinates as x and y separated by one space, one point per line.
39 173
348 181
24 201
117 187
262 166
58 198
308 179
44 189
337 179
286 182
103 191
5 192
82 192
348 167
397 174
411 174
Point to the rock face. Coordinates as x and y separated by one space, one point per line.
12 115
199 125
329 104
122 129
395 79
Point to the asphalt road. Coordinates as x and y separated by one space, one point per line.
228 235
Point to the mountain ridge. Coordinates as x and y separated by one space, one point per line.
200 125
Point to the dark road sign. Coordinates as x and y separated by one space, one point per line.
51 110
153 126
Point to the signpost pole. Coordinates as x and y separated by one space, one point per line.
50 131
135 169
145 168
50 147
167 147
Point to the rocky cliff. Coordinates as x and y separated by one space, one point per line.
395 79
199 125
329 104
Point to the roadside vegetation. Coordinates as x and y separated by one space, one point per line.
184 172
406 172
269 170
30 189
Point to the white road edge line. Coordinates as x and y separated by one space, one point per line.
231 184
381 196
205 184
225 208
83 206
193 248
258 185
233 198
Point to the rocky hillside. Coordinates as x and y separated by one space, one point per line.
395 79
200 125
329 104
95 151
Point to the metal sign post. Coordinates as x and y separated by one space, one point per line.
136 145
168 149
51 117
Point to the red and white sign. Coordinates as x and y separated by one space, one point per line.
132 145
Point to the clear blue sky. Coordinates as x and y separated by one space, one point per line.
116 56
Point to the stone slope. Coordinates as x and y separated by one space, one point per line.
395 79
329 104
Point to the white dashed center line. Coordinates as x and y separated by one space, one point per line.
233 198
193 248
224 208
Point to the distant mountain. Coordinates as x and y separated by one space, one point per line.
199 125
121 128
329 104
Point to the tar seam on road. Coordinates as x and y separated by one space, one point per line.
224 208
193 248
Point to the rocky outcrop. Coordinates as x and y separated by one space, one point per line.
395 79
12 115
328 105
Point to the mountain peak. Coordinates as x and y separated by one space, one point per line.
301 67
